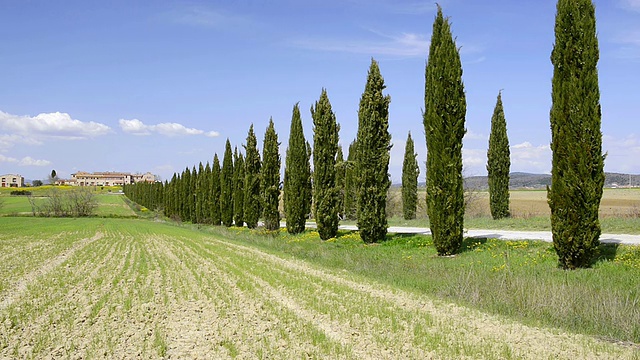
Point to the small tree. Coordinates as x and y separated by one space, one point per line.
226 187
498 163
238 192
36 183
270 178
577 173
325 146
373 145
444 117
410 172
296 176
252 192
53 177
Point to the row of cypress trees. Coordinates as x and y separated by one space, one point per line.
576 139
247 188
357 188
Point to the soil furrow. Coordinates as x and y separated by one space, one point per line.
20 287
474 326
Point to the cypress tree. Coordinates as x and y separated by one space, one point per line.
186 195
308 190
206 189
192 194
238 186
498 163
226 187
444 117
252 166
201 190
373 145
410 172
172 198
296 176
577 174
325 146
350 184
340 180
178 197
270 178
216 216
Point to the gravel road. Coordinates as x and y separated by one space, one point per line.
509 234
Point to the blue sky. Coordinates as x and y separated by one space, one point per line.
160 85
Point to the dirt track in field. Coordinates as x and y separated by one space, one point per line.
136 295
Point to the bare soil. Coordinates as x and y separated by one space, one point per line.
129 294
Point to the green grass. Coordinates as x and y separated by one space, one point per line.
109 205
518 279
14 205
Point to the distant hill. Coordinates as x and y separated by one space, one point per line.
520 180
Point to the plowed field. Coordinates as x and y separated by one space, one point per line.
128 289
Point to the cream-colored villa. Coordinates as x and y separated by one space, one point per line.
11 180
82 178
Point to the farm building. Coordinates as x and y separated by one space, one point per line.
108 178
11 180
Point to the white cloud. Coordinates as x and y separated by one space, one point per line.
137 127
29 161
26 161
405 44
7 141
7 159
134 126
472 135
54 125
529 158
622 153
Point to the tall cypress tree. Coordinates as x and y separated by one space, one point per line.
201 189
296 176
252 192
577 174
206 188
444 117
410 172
498 163
351 184
216 217
238 189
308 190
325 146
270 178
226 187
340 180
186 195
373 145
192 194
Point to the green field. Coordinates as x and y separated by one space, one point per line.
109 204
619 211
128 288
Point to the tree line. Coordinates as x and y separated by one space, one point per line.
246 188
